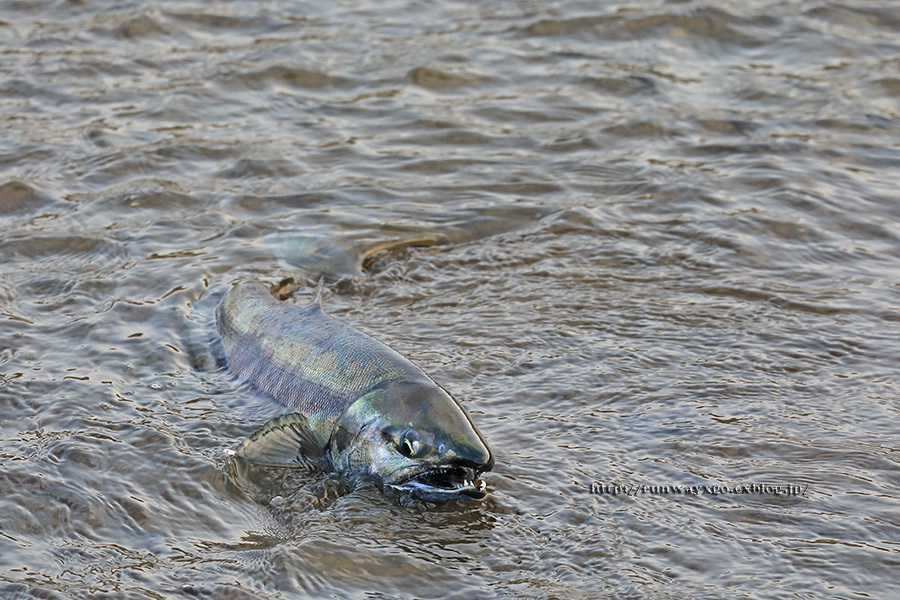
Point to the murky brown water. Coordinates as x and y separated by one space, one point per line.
669 254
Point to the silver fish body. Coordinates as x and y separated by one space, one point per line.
360 406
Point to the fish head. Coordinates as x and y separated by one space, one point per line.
416 439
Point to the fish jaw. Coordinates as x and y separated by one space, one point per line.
442 483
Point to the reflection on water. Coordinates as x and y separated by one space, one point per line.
644 243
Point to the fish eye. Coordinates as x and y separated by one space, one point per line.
409 445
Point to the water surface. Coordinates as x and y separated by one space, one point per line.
662 249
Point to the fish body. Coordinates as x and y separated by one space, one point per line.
359 405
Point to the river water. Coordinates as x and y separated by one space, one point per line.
645 243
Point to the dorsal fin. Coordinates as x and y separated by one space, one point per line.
285 288
320 293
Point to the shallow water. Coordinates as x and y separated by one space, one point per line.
657 245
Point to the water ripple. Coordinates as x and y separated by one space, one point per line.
645 244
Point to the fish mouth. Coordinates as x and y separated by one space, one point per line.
444 483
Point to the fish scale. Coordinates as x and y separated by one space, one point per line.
299 355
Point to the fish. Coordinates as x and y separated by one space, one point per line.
357 406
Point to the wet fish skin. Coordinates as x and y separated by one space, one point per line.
365 406
299 355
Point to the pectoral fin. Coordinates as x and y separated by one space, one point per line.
285 441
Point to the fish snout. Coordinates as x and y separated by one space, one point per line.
474 455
